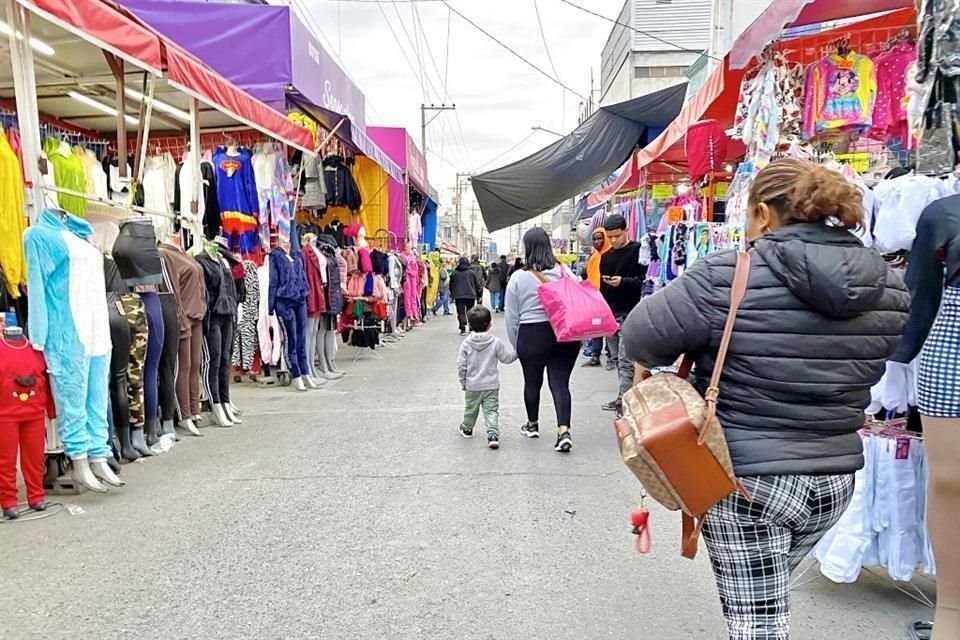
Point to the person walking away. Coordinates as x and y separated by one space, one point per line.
443 292
481 274
601 245
532 336
504 276
465 289
493 285
478 364
821 315
517 266
621 283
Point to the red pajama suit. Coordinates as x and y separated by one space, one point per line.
25 399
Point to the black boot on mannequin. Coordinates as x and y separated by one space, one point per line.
127 452
140 443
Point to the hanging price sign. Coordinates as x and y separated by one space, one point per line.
661 191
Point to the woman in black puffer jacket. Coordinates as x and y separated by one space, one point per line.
821 315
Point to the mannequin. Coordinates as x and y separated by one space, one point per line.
933 332
288 299
151 369
315 265
119 361
327 326
65 275
136 317
168 364
24 400
238 277
186 281
218 330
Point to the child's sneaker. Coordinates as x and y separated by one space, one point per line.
466 433
493 441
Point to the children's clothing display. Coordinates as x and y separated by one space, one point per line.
841 91
25 400
68 321
237 196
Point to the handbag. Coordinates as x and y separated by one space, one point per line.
576 310
671 439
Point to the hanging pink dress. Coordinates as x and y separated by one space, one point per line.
411 286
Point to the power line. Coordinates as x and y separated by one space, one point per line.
512 51
633 28
514 147
543 36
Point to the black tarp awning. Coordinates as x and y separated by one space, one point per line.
536 184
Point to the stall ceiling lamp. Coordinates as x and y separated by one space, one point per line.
99 106
39 46
163 107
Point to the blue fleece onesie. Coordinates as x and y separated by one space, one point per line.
68 321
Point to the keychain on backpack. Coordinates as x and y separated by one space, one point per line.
640 520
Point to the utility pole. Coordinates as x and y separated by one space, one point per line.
461 178
424 122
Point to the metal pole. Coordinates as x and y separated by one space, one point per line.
423 129
28 112
195 154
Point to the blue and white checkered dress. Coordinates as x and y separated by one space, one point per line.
938 387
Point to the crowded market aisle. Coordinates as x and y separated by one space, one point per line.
357 511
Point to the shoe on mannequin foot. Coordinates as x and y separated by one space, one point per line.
234 409
314 383
152 431
82 475
113 464
299 384
103 472
190 427
39 506
167 429
11 514
231 416
140 443
333 375
220 416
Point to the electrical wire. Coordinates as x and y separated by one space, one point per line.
513 51
641 32
543 36
513 148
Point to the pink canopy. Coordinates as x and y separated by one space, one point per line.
783 14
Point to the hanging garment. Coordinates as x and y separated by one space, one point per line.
288 299
68 320
155 196
215 371
13 138
167 383
341 187
315 267
245 343
268 328
237 195
314 188
333 291
136 315
275 191
208 205
68 173
889 112
136 254
841 93
13 221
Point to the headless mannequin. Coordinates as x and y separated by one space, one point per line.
287 298
933 276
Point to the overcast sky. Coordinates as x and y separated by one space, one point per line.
498 96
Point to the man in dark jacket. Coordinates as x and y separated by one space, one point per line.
465 288
621 284
494 287
504 274
481 274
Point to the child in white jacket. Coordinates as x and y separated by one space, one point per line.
478 364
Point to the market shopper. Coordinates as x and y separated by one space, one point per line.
504 276
600 243
465 289
494 286
621 283
516 266
481 274
531 334
443 293
821 315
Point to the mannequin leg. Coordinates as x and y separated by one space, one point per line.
151 370
33 440
98 394
330 350
313 326
137 323
226 337
196 363
184 364
9 441
300 312
287 314
119 385
168 363
943 505
212 341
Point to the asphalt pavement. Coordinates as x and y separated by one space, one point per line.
358 512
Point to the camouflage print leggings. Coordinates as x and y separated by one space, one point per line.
137 318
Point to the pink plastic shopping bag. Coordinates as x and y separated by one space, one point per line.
576 310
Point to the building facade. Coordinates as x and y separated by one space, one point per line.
652 47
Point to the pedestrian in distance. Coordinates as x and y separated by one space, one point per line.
465 289
532 335
481 274
821 315
478 364
494 287
621 284
504 276
443 292
516 266
601 245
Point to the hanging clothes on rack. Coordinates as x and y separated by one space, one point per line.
68 173
208 205
237 196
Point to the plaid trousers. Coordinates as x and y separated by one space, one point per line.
756 544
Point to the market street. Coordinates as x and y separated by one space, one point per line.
360 513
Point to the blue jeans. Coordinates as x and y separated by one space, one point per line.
443 300
593 348
496 300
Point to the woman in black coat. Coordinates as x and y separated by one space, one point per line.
821 315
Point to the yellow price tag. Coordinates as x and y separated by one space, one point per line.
720 189
661 191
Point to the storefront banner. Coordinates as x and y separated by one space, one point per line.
321 80
417 167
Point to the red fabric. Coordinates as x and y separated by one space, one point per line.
316 300
706 148
29 437
628 180
107 27
24 386
195 78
